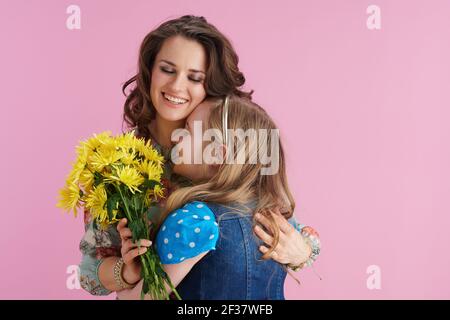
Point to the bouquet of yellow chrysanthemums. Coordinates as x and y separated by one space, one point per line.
117 177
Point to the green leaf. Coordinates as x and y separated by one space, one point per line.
145 287
135 202
112 203
137 228
150 184
98 178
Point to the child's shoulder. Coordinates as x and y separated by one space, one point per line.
186 232
195 210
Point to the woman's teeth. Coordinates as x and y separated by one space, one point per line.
174 100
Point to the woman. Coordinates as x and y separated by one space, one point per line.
181 63
205 242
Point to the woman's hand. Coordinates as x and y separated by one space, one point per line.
130 253
291 248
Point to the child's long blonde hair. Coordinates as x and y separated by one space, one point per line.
242 183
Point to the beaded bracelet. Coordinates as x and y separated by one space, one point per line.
312 239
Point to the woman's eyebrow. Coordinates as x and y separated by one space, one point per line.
174 65
168 62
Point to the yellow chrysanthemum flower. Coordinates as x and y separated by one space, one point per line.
75 174
83 152
152 170
104 225
154 195
128 157
86 180
125 142
122 159
104 163
149 152
95 201
98 140
158 191
69 198
106 155
128 176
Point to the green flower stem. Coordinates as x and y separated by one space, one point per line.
156 288
125 203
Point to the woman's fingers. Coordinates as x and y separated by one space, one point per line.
122 224
268 225
130 249
132 254
263 220
129 245
125 233
264 236
263 249
284 225
273 254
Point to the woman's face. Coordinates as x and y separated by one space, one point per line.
197 172
178 76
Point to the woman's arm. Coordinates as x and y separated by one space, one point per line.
95 245
89 280
101 249
106 274
176 273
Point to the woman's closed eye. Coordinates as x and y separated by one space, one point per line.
198 80
172 71
167 70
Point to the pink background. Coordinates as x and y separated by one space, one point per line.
364 115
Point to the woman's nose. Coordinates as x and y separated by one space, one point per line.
178 84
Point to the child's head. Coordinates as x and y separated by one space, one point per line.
240 176
180 63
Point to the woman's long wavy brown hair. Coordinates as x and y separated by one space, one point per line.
242 183
222 74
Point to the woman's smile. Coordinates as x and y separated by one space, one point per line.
174 101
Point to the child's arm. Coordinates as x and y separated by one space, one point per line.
185 237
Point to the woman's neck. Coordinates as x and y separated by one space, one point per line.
162 129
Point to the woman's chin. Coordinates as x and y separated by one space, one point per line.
170 113
185 170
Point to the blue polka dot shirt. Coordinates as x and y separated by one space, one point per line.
186 233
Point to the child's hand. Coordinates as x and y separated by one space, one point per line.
130 251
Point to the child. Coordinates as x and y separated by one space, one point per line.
206 241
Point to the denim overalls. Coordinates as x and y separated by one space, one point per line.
235 270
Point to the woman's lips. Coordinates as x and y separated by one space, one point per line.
172 104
